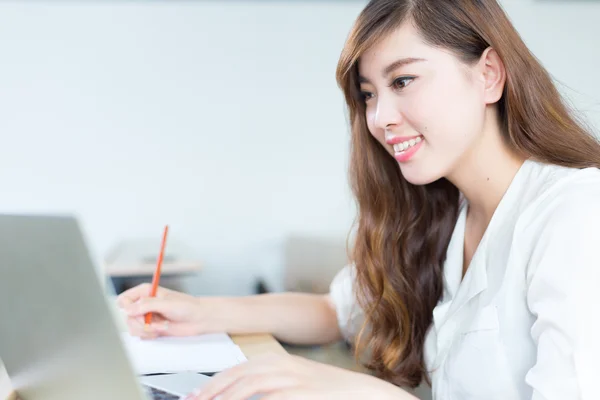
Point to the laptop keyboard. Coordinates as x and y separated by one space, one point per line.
156 394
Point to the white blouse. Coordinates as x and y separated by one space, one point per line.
524 323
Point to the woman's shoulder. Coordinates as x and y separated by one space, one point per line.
556 235
556 195
553 185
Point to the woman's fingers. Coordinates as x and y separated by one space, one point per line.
289 394
251 385
259 374
139 329
159 327
222 381
132 295
151 305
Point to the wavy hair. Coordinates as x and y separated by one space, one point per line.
403 230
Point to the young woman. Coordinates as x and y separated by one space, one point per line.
474 265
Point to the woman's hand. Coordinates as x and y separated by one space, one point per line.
286 377
174 313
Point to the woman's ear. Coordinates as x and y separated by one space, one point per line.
494 75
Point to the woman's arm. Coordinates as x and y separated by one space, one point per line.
295 318
563 280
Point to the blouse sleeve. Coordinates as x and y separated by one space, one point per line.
563 294
342 295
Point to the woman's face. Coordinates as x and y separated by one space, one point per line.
424 105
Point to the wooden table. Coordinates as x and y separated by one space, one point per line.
255 345
251 345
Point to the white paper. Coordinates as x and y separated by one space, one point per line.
205 353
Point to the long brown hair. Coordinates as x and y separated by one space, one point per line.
403 230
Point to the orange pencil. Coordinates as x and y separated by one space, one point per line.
156 277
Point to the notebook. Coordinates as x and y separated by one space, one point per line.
209 353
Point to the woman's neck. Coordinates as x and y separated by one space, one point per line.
485 173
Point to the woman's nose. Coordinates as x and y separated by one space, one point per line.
387 115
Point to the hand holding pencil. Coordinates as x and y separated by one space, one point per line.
155 311
156 277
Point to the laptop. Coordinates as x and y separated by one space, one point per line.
58 335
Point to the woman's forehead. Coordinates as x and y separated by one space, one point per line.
402 43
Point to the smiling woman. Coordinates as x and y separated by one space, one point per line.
474 265
453 94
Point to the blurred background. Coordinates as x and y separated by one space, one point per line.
220 118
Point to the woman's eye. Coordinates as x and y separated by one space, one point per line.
401 83
366 96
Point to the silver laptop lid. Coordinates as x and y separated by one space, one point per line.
58 338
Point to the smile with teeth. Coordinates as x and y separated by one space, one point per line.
400 147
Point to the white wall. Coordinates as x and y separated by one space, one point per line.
222 119
565 36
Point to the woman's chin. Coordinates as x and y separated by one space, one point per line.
416 175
